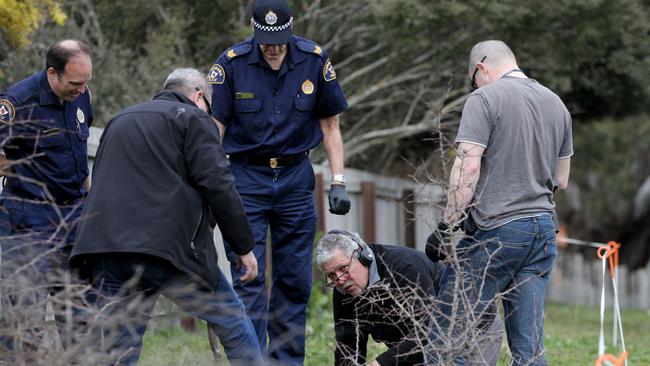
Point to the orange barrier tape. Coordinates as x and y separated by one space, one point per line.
611 358
610 251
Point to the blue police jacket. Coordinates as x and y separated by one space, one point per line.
50 135
270 112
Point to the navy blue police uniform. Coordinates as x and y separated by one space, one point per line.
271 120
45 141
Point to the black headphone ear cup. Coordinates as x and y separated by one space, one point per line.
364 254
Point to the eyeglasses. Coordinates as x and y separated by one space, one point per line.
333 279
474 86
205 100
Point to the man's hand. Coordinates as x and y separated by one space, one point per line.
436 240
374 363
339 200
250 263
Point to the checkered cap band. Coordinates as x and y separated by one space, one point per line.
267 28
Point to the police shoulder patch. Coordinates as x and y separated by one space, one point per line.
309 47
7 111
217 74
328 71
238 50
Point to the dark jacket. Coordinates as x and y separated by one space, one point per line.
160 183
394 311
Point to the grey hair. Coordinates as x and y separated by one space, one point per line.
497 53
186 81
330 243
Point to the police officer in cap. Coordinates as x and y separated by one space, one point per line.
44 129
275 97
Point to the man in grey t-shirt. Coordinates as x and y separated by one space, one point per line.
514 149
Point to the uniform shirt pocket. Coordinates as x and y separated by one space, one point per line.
304 104
250 129
83 132
50 138
248 105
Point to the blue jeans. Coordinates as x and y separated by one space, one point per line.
128 286
280 199
513 262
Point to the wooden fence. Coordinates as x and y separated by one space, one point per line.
577 279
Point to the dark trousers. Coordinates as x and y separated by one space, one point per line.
128 286
35 241
280 199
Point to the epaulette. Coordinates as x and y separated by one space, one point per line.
238 50
22 95
310 47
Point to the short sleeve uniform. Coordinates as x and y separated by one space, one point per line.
274 112
51 136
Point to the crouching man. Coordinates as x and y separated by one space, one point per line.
386 292
162 182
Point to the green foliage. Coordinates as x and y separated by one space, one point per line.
592 52
19 19
610 163
320 329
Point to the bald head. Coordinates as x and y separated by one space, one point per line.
68 68
59 54
496 54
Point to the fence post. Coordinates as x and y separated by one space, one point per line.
368 196
319 197
408 200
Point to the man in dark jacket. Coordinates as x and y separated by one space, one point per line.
386 292
162 183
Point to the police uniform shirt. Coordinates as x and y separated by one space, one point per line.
274 112
49 134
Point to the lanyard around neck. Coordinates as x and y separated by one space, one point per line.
511 71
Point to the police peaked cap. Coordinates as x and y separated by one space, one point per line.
271 22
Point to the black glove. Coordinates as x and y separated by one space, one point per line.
437 238
339 200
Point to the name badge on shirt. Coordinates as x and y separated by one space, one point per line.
244 95
50 132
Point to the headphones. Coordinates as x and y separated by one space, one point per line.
364 254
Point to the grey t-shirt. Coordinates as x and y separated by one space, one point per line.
525 128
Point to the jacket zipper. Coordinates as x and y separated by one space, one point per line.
196 232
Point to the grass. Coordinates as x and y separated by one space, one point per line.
571 334
571 337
